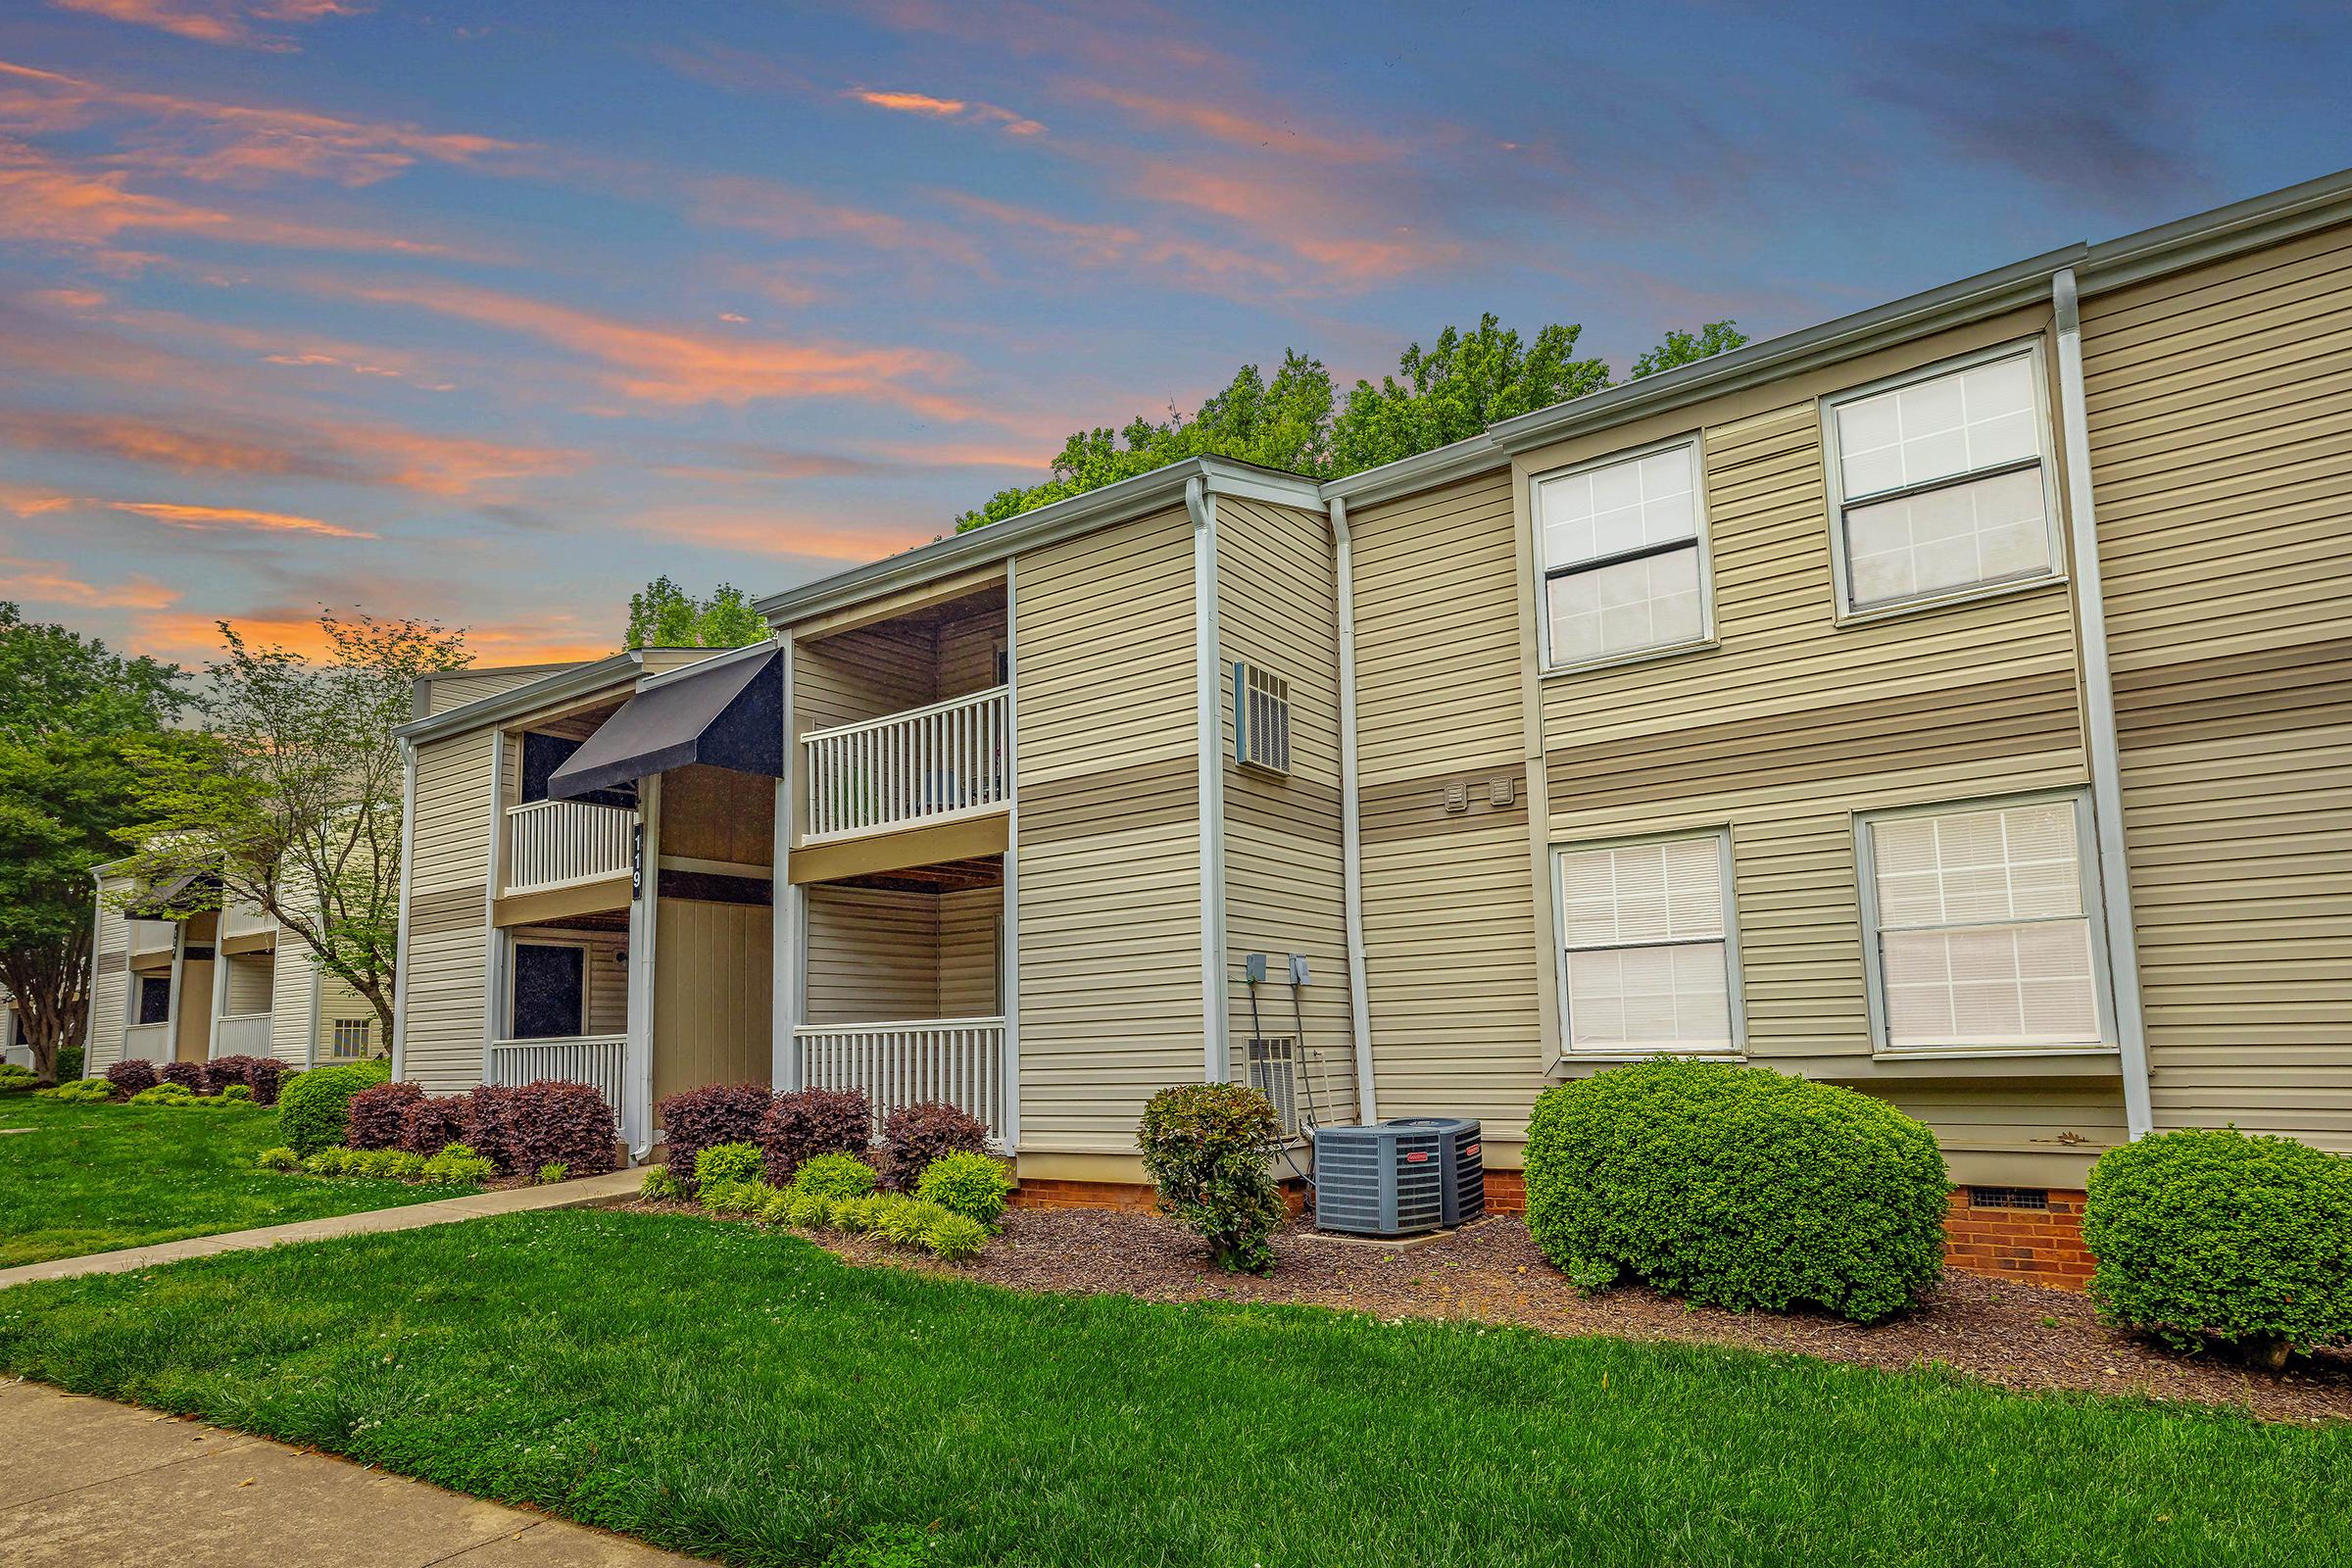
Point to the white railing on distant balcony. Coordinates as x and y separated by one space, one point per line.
147 1042
906 769
561 844
960 1060
597 1059
241 1034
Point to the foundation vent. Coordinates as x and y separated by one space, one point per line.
2009 1198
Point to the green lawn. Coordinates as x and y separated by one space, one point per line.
92 1178
722 1389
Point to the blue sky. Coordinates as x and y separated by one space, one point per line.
490 312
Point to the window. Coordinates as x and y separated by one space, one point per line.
1941 484
1650 960
551 991
1983 931
1262 719
155 999
1622 548
351 1036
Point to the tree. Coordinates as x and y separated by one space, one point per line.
1686 348
68 708
1463 382
290 801
667 616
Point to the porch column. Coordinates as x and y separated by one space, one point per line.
645 904
787 917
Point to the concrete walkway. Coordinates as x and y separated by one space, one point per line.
586 1192
86 1481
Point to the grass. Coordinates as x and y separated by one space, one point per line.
717 1389
94 1178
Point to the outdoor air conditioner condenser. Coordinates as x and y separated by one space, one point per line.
1461 1162
1383 1180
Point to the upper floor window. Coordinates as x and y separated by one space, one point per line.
1647 936
1622 544
1982 926
1940 483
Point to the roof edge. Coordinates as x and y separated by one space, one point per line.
576 680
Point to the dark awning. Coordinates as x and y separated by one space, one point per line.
729 714
162 903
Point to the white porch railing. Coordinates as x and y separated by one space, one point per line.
559 843
960 1060
585 1059
902 770
147 1042
241 1034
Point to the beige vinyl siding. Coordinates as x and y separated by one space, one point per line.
873 955
459 687
292 975
1284 889
1449 930
336 1000
110 978
248 988
861 674
446 945
1110 992
970 979
710 994
2219 403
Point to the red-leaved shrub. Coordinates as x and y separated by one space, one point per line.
803 1123
189 1075
715 1113
913 1136
553 1122
482 1125
431 1124
375 1115
261 1074
129 1077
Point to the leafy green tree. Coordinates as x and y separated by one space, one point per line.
667 616
1687 348
290 801
68 706
1463 382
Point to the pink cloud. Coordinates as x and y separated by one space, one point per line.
957 109
217 21
1264 129
52 583
766 533
240 520
1117 245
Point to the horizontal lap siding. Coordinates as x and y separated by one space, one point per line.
109 980
292 976
1110 961
1449 905
2221 426
1284 882
873 955
447 882
968 973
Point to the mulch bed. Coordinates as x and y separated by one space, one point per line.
2020 1337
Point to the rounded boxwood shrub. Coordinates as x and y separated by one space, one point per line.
1738 1187
314 1111
2222 1235
1209 1148
969 1184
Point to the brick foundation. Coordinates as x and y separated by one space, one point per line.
1040 1192
2038 1246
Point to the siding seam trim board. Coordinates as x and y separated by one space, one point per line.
1209 717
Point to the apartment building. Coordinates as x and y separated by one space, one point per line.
1947 701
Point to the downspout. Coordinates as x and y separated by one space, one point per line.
1209 717
2098 701
1351 842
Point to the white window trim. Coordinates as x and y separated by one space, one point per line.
1697 441
1832 479
2086 859
1735 993
505 1006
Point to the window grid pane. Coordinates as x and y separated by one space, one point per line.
1627 606
1617 506
1938 429
1644 928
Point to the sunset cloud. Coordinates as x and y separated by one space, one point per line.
352 453
241 519
52 583
195 638
781 211
1262 130
219 22
958 109
1117 245
768 533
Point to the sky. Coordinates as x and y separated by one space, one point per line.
488 313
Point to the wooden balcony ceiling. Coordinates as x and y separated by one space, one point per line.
943 876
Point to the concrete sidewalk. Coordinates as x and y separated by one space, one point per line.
586 1192
87 1481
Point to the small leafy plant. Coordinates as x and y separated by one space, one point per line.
736 1197
169 1093
970 1184
660 1186
1208 1149
835 1176
555 1170
727 1162
953 1237
457 1163
281 1158
80 1092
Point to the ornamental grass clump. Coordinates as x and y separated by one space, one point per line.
970 1184
1208 1150
660 1186
2218 1236
1738 1187
732 1198
951 1237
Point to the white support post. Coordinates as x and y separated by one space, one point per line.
645 908
494 946
1009 927
212 1031
784 912
400 952
1208 688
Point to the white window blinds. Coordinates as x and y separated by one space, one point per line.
1621 546
1646 933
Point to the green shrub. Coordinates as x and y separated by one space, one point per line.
2227 1235
778 1209
735 1197
728 1162
858 1215
163 1094
457 1163
384 1164
313 1109
69 1063
973 1184
236 1095
905 1220
659 1186
555 1170
15 1079
281 1158
835 1176
1740 1187
331 1161
807 1211
954 1236
1208 1148
80 1092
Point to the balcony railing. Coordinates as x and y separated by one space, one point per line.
147 1042
561 844
960 1060
906 769
241 1034
597 1059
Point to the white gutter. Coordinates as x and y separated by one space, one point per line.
2098 701
1351 843
1209 716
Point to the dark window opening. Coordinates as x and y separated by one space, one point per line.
551 985
542 755
2008 1197
155 999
